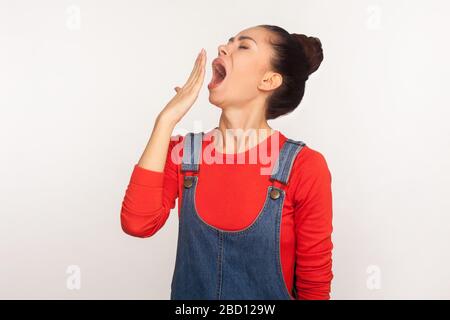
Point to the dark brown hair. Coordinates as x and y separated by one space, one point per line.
296 57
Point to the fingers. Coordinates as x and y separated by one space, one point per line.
199 73
195 69
199 79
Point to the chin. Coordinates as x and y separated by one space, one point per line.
216 100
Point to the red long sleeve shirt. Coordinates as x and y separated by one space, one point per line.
306 222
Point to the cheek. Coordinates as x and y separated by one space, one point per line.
245 74
245 67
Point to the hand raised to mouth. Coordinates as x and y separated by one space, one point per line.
187 94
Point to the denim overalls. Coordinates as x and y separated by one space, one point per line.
217 264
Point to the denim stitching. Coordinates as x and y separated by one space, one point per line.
219 265
277 248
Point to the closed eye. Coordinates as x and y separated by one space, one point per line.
243 47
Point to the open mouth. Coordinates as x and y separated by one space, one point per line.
219 74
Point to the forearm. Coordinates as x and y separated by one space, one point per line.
152 189
155 153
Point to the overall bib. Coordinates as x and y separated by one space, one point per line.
212 263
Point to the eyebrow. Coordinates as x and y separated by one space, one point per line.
242 38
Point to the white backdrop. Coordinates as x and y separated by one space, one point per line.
81 83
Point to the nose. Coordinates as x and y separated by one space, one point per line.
222 49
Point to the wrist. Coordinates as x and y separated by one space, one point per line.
165 120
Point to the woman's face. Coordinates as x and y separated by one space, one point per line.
248 77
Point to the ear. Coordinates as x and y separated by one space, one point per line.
270 81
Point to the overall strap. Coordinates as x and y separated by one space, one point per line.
192 149
282 168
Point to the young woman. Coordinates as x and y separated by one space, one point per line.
246 230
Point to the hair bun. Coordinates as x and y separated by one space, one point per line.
312 48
